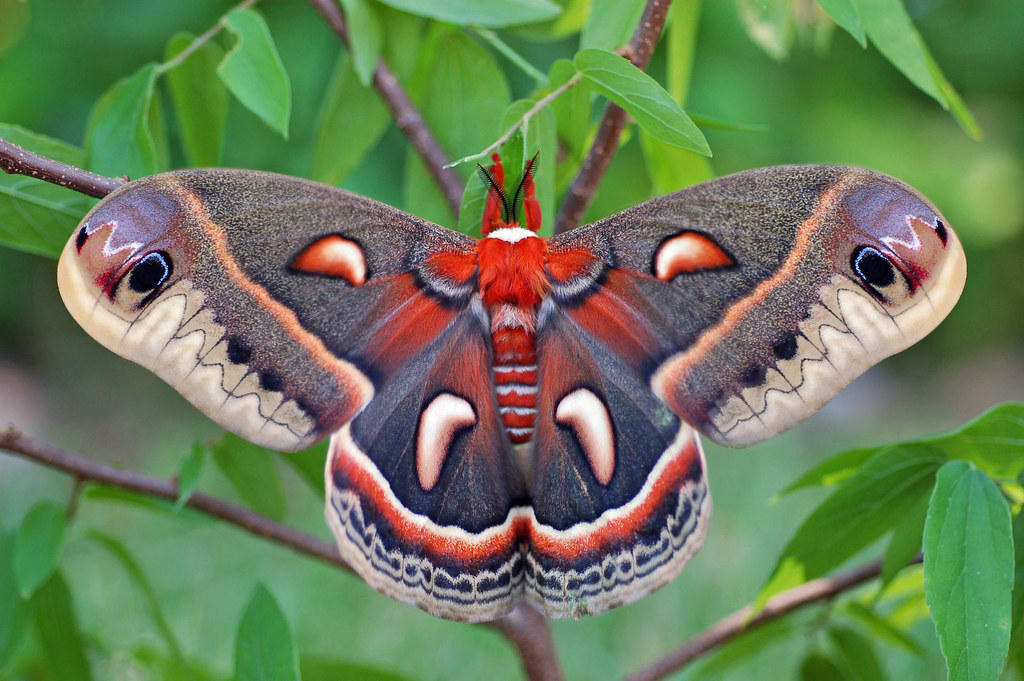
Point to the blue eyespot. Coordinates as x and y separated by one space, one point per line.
873 268
150 273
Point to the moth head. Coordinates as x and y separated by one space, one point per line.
899 248
521 208
123 254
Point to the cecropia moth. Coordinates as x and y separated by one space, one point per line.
512 417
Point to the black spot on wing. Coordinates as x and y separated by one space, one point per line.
271 381
83 235
238 351
785 347
753 376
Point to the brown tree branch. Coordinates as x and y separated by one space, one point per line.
606 141
524 627
740 622
530 632
407 116
86 469
17 161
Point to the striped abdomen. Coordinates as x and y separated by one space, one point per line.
515 370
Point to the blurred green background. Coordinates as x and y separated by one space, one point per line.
834 103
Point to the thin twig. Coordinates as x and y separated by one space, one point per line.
17 161
514 57
524 627
201 40
407 116
86 469
524 119
606 142
742 621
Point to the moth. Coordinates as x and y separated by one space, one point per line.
512 417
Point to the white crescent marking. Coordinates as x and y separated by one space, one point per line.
440 421
584 412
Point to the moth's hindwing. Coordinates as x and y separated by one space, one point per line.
619 493
423 490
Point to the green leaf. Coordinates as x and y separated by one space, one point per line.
352 120
119 139
905 542
610 24
1017 631
892 32
817 667
135 573
861 510
491 13
857 655
309 464
832 470
250 470
365 37
954 102
881 628
199 98
968 571
640 95
38 543
572 109
845 14
994 441
36 216
253 71
14 611
474 199
264 648
671 167
321 669
188 474
158 130
59 639
889 27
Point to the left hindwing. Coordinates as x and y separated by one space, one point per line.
748 302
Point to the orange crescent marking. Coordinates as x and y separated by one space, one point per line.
348 376
333 256
674 369
687 253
